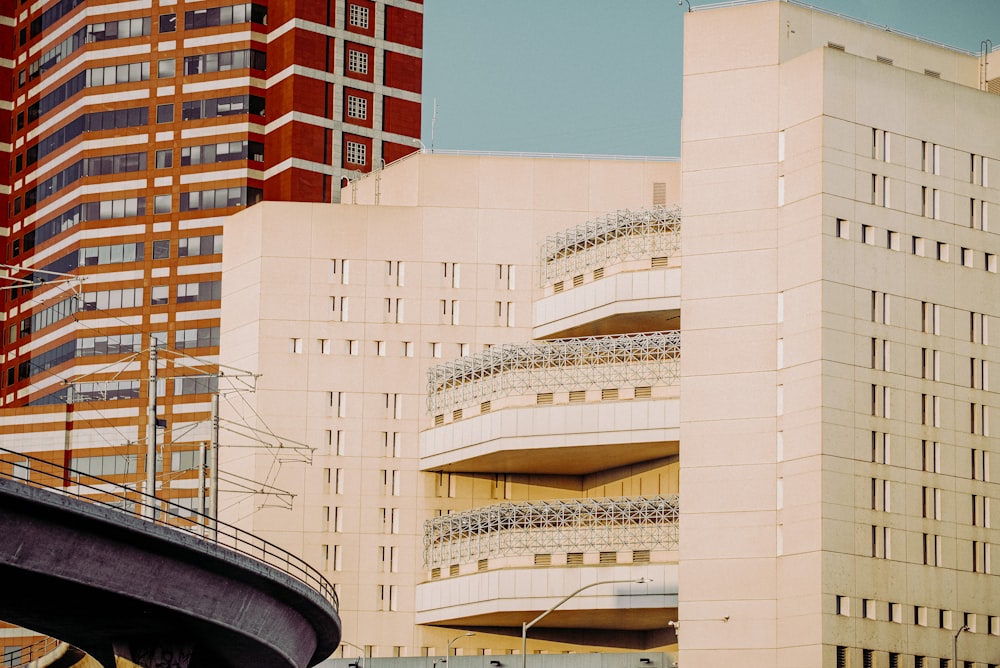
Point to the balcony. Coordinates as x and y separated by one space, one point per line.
563 406
489 565
615 274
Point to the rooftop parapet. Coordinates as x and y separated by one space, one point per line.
633 360
611 239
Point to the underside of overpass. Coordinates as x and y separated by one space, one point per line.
112 583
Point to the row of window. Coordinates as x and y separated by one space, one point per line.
918 615
979 506
920 246
978 559
930 157
95 32
297 345
224 61
394 311
395 272
117 390
930 456
884 305
930 202
99 166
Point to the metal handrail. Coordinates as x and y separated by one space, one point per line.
70 482
22 656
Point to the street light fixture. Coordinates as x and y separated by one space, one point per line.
527 625
447 649
954 646
361 657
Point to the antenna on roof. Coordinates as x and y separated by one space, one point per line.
434 119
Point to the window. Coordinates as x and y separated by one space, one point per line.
159 295
295 346
165 158
867 234
357 61
165 68
168 22
161 204
161 249
164 113
356 153
358 16
357 107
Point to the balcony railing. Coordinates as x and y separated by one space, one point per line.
634 360
547 527
617 237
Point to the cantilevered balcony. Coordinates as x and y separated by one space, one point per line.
489 565
568 406
619 273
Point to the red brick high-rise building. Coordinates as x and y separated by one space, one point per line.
133 129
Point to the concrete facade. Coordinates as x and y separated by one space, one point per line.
342 309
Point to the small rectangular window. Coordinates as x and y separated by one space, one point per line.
164 113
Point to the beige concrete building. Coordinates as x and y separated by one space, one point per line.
561 452
473 366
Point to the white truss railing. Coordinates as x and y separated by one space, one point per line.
617 237
547 527
557 365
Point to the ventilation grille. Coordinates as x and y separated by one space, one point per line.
609 557
577 396
483 565
453 570
609 394
645 392
578 281
932 73
659 193
544 399
660 262
543 560
456 414
993 86
640 556
599 273
834 45
435 573
574 558
484 407
438 420
558 287
884 60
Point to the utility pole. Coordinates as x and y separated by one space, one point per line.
213 485
149 504
202 465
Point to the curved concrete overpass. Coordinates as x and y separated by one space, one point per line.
112 583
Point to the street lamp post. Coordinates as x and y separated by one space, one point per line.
527 625
361 657
447 649
954 646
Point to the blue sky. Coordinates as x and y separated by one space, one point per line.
602 76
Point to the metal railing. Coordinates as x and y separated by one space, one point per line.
616 237
596 362
37 472
546 527
22 656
